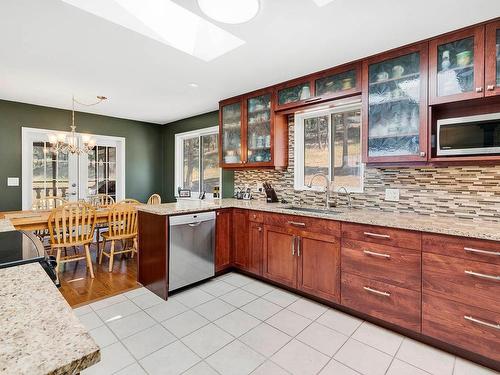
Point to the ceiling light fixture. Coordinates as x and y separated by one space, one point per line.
322 3
193 85
68 143
230 11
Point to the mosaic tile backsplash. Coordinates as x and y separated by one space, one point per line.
466 192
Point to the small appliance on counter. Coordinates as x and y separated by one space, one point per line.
241 193
271 196
20 247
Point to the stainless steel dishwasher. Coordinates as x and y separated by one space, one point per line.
191 250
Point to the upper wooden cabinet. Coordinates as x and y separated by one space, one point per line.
250 135
329 84
395 106
492 59
456 66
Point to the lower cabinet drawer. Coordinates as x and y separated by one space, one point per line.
382 235
303 223
465 326
393 265
381 300
256 216
461 280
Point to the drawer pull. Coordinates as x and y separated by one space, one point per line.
297 224
479 251
369 234
373 253
482 322
482 275
375 291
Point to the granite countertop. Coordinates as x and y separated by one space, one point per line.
432 224
39 333
6 225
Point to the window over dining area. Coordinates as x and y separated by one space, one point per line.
197 161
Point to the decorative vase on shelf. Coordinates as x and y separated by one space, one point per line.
445 62
305 93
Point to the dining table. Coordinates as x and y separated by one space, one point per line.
32 220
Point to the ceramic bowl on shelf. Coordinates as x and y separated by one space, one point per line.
231 159
464 58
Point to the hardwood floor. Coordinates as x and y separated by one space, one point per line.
78 288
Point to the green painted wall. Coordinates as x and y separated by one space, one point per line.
143 146
188 124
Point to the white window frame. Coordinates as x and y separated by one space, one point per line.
299 145
29 135
179 157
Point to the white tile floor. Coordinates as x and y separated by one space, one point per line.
236 325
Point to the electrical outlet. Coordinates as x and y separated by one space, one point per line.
12 181
392 195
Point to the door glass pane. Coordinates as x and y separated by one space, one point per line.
455 67
316 149
210 162
394 99
346 157
191 164
294 94
498 56
231 133
259 129
101 173
50 172
336 83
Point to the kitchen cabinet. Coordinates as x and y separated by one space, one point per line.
223 239
395 106
279 263
492 59
319 265
241 258
456 66
255 247
251 135
333 83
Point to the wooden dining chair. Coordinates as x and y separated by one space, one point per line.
130 200
72 225
101 200
47 203
122 226
154 199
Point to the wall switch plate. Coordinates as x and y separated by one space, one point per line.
392 195
12 181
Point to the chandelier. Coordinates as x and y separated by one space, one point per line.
68 143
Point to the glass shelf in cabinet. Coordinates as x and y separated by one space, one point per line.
396 79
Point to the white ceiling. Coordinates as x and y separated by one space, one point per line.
50 50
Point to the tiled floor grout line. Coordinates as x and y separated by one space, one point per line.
257 297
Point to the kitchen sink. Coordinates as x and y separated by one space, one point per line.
313 210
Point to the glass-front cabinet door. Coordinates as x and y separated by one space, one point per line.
395 112
231 133
492 59
258 128
457 66
293 93
338 82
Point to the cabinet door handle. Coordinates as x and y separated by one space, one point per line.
369 234
375 291
297 224
373 253
482 275
298 246
482 322
259 229
479 251
293 246
490 87
422 154
479 89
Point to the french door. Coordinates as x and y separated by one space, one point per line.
73 177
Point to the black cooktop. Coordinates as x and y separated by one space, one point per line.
18 247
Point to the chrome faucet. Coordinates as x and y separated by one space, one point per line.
349 204
327 188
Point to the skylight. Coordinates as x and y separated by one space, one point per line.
321 3
166 22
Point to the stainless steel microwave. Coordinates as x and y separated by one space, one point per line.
471 135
